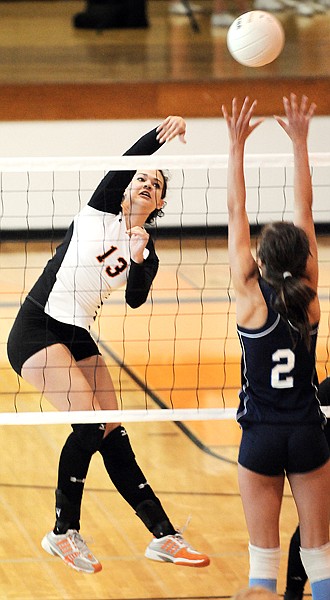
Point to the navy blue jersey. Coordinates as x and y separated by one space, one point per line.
94 257
278 374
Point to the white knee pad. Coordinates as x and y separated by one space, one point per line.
316 562
264 562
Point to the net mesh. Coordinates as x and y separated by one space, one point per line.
177 357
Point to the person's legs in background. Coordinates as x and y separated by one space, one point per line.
112 14
296 575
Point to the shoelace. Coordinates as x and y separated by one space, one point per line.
180 541
179 533
80 543
181 530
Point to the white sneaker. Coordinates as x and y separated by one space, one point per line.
71 548
178 8
175 549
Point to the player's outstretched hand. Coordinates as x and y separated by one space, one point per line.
298 117
170 128
238 124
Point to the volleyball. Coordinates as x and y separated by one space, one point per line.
255 38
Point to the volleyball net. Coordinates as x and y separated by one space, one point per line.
177 357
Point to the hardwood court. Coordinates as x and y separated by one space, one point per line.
193 470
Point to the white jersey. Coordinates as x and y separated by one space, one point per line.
97 261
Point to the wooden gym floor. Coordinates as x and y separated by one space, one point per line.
50 71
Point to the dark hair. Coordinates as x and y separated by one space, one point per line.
284 250
158 212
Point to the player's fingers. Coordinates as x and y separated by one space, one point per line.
226 115
256 124
136 230
234 108
245 105
294 103
303 104
165 136
164 123
241 113
246 112
287 106
281 122
251 110
311 110
171 134
173 127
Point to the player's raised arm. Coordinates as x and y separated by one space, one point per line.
298 117
241 261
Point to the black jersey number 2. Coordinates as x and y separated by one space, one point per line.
119 268
280 374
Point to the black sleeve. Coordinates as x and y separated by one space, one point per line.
140 278
109 193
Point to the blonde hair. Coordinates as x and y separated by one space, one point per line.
255 593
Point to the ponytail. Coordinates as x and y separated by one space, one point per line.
284 251
292 300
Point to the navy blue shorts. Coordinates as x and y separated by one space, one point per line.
34 330
277 449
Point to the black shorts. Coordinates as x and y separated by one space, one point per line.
277 449
34 330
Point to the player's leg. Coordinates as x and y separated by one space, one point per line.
55 373
311 492
126 475
83 442
74 385
118 456
261 478
262 498
167 545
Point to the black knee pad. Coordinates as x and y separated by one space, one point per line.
89 435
